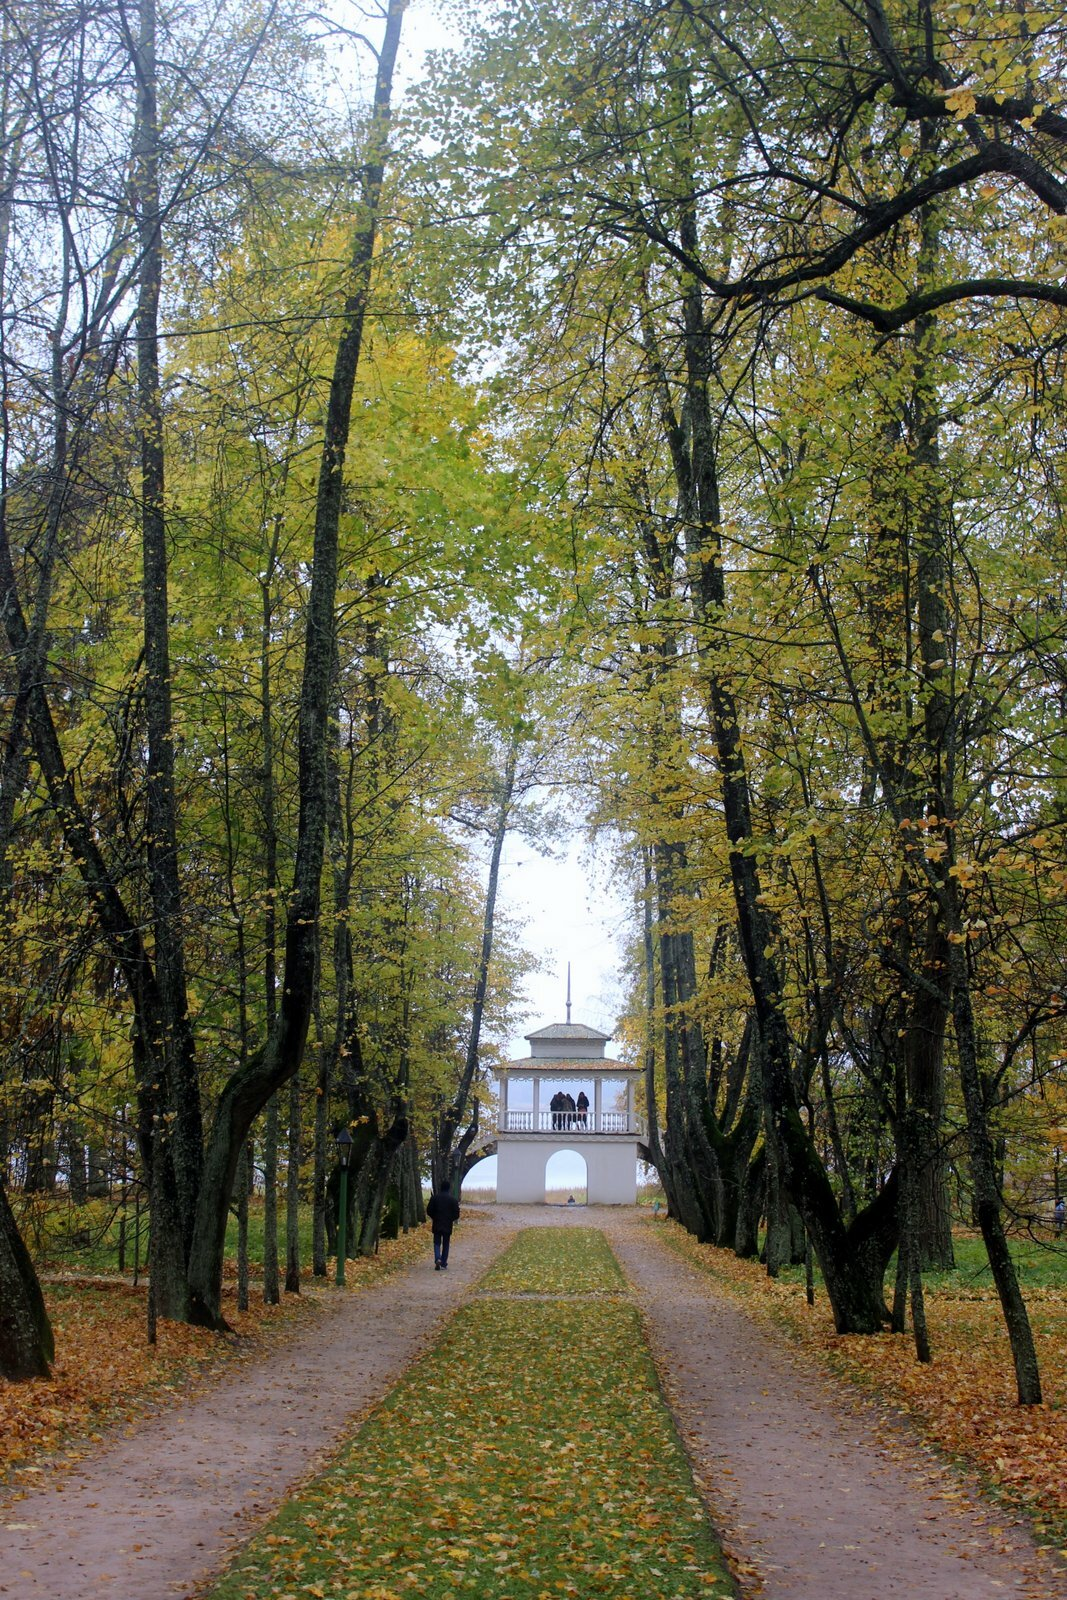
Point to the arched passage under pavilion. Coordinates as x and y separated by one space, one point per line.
566 1173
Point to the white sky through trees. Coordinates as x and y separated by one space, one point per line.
573 913
570 910
566 904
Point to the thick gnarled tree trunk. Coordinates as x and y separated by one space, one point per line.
26 1344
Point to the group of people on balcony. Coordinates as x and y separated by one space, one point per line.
568 1112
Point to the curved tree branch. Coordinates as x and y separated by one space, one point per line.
888 319
995 156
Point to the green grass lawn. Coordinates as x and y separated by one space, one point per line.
557 1261
85 1239
1040 1264
529 1455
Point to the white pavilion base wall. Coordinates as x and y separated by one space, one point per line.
611 1169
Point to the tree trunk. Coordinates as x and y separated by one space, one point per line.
445 1161
984 1178
694 1208
412 1209
750 1206
244 1188
292 1190
40 1177
654 1144
26 1344
777 1240
848 1194
98 1182
909 1267
250 1088
175 1093
73 1135
932 518
735 1159
271 1291
381 1173
319 1243
853 1258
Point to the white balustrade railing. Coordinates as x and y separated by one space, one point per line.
569 1122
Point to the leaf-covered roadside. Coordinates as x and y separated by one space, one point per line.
528 1455
964 1401
557 1261
107 1374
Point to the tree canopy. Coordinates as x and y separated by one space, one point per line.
667 404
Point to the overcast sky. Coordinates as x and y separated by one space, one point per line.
573 911
568 905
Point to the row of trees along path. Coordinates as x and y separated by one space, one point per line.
735 542
816 1492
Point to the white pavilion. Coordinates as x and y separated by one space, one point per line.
567 1059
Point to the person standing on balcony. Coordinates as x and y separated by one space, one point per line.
582 1104
443 1212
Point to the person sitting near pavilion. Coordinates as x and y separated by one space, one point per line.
582 1104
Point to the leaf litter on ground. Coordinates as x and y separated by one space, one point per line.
106 1374
556 1261
528 1455
964 1401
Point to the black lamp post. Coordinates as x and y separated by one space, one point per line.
344 1156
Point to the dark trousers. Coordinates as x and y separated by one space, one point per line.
441 1242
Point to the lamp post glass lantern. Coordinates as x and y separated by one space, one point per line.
344 1156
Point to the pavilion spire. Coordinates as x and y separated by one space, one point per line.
568 991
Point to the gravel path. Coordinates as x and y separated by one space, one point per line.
155 1510
820 1494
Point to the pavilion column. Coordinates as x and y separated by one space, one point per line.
536 1104
597 1103
629 1105
503 1103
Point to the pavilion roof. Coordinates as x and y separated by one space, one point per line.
568 1030
548 1066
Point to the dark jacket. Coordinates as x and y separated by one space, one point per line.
443 1212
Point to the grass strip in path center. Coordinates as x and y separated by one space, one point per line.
556 1261
529 1455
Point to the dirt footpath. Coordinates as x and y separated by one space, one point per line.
156 1509
820 1494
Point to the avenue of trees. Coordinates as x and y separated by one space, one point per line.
251 741
669 403
780 291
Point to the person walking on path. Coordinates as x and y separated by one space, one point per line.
443 1212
